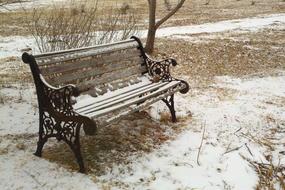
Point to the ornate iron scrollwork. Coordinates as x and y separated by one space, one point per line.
60 98
57 119
160 69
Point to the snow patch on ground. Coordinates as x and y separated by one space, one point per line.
249 24
13 45
28 5
175 164
229 111
21 170
275 86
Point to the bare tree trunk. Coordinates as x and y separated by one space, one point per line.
153 25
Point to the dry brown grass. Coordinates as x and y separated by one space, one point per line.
193 12
13 23
262 51
115 144
271 176
196 12
14 71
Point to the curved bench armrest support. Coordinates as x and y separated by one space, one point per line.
59 99
160 70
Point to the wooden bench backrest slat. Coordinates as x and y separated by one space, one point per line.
97 73
98 69
92 67
68 66
109 77
53 58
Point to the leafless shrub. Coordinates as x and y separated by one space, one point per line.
77 25
115 25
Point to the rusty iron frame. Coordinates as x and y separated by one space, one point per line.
161 71
56 116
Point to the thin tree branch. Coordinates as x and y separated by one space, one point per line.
161 21
204 129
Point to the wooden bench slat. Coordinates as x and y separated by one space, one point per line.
111 96
133 101
94 71
64 67
117 99
101 89
76 54
112 76
79 49
134 108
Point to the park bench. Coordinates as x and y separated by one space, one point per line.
109 82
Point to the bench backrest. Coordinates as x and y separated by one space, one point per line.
96 68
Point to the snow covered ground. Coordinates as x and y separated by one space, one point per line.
28 5
251 24
230 120
235 114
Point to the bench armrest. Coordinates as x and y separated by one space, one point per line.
160 69
58 103
59 99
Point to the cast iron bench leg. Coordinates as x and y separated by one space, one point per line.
75 147
42 138
170 104
69 132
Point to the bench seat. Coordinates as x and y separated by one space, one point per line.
125 101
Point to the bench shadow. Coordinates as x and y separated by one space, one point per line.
114 144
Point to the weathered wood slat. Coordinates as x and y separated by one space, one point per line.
120 98
113 85
93 71
47 59
62 67
135 107
114 95
100 75
162 90
80 49
109 77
